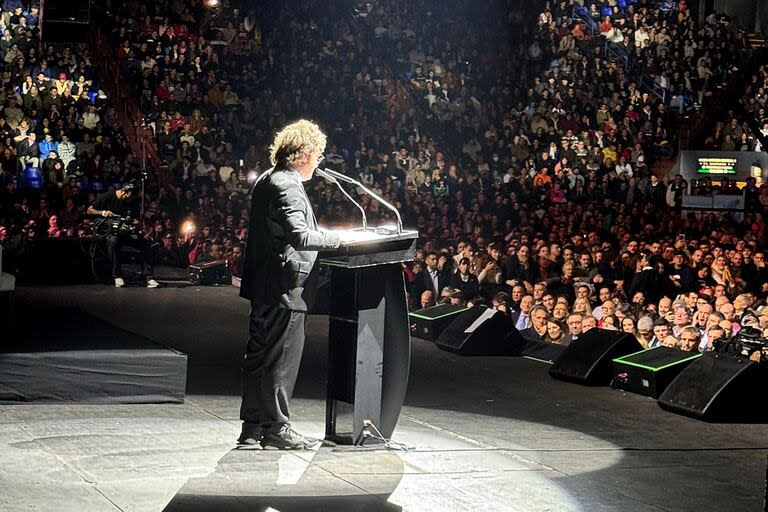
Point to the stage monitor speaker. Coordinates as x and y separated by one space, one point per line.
478 332
210 273
589 360
526 347
541 350
428 323
649 372
718 387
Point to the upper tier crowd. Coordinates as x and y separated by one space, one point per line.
60 139
507 136
735 133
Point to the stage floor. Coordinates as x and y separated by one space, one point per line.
490 434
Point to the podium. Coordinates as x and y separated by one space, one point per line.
369 344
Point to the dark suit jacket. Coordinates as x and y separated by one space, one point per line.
515 316
531 334
515 270
646 282
24 148
283 241
754 276
469 288
424 282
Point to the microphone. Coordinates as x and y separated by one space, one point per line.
326 175
337 175
343 177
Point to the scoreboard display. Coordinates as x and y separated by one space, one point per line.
716 165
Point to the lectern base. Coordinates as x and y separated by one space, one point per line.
368 351
369 343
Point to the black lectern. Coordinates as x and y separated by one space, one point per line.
369 344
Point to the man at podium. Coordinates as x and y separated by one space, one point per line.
283 240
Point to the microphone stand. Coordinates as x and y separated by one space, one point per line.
343 177
328 177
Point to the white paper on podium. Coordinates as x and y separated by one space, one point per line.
488 313
354 236
358 236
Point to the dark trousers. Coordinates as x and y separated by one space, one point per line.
144 246
271 364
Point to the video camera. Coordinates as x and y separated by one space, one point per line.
116 226
749 343
744 344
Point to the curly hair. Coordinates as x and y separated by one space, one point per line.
295 141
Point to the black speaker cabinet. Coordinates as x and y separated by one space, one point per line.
649 372
477 332
428 323
210 273
589 360
541 350
718 387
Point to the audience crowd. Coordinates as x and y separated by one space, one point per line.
734 133
520 150
60 139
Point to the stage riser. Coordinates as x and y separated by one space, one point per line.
98 377
102 365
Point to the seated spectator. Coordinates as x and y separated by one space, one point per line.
689 339
427 299
522 317
574 328
556 332
538 328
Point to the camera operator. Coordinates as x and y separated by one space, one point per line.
114 204
748 343
759 356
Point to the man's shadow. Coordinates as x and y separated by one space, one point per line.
286 481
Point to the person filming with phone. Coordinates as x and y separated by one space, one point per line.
680 276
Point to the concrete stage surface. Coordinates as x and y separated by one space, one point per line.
492 434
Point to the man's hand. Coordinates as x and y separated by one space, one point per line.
107 213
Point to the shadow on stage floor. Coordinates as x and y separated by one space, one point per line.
295 482
203 503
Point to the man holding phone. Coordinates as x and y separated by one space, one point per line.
681 277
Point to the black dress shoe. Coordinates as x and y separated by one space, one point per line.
285 438
249 437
